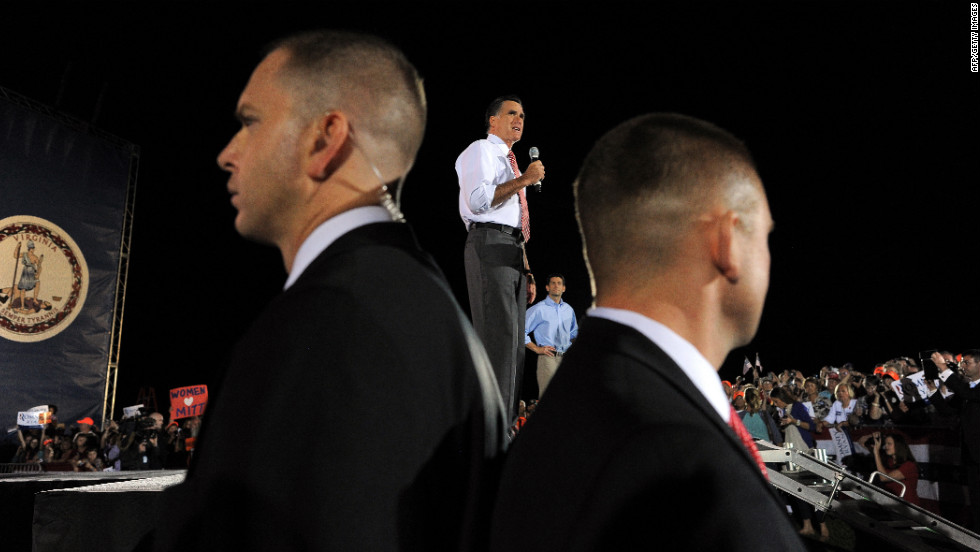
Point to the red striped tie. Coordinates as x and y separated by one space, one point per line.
736 423
525 221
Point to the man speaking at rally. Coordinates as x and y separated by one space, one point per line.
363 432
675 226
493 205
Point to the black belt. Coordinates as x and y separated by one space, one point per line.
516 232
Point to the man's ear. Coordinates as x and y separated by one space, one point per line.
328 145
724 246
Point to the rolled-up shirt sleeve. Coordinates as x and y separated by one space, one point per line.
531 321
476 169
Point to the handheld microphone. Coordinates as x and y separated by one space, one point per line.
534 153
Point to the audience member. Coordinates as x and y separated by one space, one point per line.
795 419
817 401
963 380
110 448
29 451
872 401
893 457
892 408
756 418
738 402
845 409
91 461
86 429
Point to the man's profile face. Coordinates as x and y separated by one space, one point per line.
508 123
263 156
970 368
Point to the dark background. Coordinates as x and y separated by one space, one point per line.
862 116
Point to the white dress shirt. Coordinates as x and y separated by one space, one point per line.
702 374
482 167
328 232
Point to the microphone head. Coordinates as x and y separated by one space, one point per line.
534 153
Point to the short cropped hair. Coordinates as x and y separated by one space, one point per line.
555 275
494 108
645 181
367 78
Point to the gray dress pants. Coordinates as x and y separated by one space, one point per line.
497 287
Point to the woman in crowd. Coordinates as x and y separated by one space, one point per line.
798 426
796 415
756 419
893 457
29 451
843 408
817 401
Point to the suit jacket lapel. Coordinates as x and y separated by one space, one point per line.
632 343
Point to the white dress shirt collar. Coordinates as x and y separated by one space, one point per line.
494 139
702 374
328 232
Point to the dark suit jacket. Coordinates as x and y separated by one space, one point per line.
624 453
965 403
356 414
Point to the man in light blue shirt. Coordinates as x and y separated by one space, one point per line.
553 323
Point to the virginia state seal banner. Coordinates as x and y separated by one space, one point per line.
63 201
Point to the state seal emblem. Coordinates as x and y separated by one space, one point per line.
43 279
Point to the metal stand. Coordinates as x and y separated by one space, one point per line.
829 488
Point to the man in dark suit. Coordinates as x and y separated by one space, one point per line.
631 447
963 380
372 412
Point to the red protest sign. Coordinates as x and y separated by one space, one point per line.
189 401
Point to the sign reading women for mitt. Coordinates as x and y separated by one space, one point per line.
189 401
63 202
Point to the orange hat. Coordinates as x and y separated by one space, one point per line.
893 375
739 394
879 370
86 420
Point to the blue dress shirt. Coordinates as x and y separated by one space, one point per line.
553 324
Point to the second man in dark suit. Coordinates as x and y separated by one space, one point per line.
633 447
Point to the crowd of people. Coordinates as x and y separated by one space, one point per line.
840 398
790 407
141 442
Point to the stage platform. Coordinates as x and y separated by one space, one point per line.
58 511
